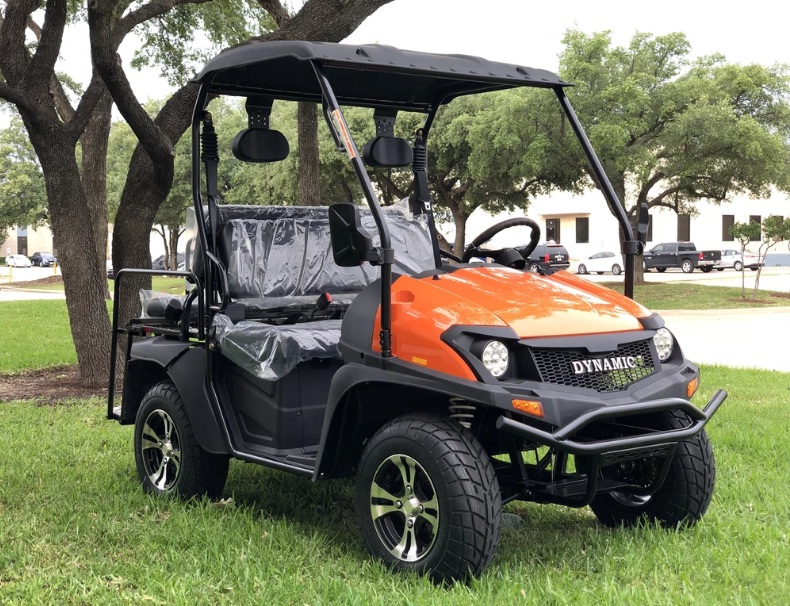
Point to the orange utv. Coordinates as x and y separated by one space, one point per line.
342 341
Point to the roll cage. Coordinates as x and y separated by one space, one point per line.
394 80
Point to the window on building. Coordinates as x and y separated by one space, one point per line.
684 227
755 219
553 230
582 230
727 221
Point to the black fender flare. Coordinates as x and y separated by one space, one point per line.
436 389
154 360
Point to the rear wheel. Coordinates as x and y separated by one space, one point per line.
168 456
616 269
582 269
685 494
687 266
427 498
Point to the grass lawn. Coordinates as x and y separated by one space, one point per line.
681 295
75 527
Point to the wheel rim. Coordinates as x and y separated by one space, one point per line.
161 450
738 266
616 270
642 472
404 508
582 269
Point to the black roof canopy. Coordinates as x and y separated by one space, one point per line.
394 78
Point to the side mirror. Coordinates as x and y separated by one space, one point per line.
644 222
351 244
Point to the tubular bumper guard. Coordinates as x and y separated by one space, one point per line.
561 438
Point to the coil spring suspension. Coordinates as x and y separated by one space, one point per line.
462 411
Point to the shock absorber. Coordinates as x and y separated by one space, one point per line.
462 411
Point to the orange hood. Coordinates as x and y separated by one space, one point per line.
534 306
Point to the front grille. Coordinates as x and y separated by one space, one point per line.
604 373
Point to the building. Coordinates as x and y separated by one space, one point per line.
585 225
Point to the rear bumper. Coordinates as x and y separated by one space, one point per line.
563 438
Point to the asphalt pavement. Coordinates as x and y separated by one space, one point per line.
744 338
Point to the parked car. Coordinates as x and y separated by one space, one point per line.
601 262
736 260
556 255
682 255
17 261
110 270
43 259
159 262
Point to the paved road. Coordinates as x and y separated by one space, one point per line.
745 338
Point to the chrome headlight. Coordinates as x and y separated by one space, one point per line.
664 343
496 358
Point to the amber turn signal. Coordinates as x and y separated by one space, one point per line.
691 388
530 407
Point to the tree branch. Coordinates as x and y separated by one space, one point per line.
146 12
276 10
42 65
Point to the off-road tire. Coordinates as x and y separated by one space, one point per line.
190 471
737 266
449 461
687 266
616 269
686 493
582 269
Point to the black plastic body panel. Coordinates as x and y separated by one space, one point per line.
279 415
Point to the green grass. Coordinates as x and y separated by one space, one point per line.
75 527
34 334
681 295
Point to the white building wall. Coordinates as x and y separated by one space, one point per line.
705 227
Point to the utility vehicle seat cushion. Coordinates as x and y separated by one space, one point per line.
291 255
271 352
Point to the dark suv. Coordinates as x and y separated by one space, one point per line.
43 259
556 255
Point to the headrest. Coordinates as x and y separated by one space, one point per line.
387 152
260 145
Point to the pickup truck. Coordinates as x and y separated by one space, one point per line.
683 255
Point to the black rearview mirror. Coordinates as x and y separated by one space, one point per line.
351 244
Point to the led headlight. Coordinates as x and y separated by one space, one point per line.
664 343
495 358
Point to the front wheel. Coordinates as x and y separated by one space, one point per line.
169 458
428 499
661 270
534 268
616 269
706 270
687 266
685 494
738 266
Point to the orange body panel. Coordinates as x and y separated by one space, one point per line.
534 306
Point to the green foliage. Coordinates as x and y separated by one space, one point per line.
23 197
184 38
671 133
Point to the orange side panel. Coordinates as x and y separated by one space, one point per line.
421 312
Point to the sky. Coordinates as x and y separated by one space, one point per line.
525 33
530 34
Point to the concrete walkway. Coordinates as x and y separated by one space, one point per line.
744 338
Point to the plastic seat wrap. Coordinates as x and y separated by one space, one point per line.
276 252
271 352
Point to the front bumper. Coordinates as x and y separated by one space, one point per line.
562 438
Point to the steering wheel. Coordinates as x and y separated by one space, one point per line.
505 256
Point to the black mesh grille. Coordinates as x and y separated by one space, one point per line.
606 372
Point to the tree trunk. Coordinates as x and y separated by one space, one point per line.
459 218
94 143
173 235
639 265
83 269
309 164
